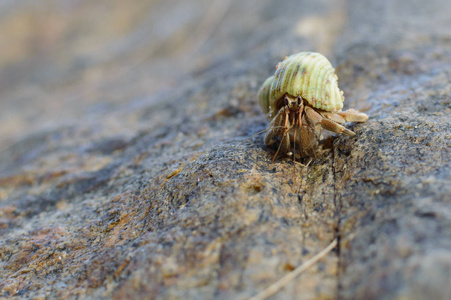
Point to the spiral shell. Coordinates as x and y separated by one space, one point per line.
306 74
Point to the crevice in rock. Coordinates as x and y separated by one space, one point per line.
338 206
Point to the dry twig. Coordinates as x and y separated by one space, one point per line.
276 286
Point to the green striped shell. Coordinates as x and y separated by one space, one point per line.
306 74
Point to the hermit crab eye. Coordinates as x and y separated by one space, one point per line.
285 100
299 100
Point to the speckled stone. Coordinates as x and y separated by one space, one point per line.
128 169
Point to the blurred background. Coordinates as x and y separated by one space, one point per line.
69 59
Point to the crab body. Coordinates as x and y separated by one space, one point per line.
300 99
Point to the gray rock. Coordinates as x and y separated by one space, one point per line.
129 168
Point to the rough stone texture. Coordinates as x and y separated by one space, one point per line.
127 169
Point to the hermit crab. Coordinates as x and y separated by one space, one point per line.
301 99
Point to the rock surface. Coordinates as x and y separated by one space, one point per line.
128 169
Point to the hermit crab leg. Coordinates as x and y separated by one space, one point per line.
299 121
335 127
351 115
326 123
334 117
294 150
305 137
286 138
283 112
276 127
308 140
